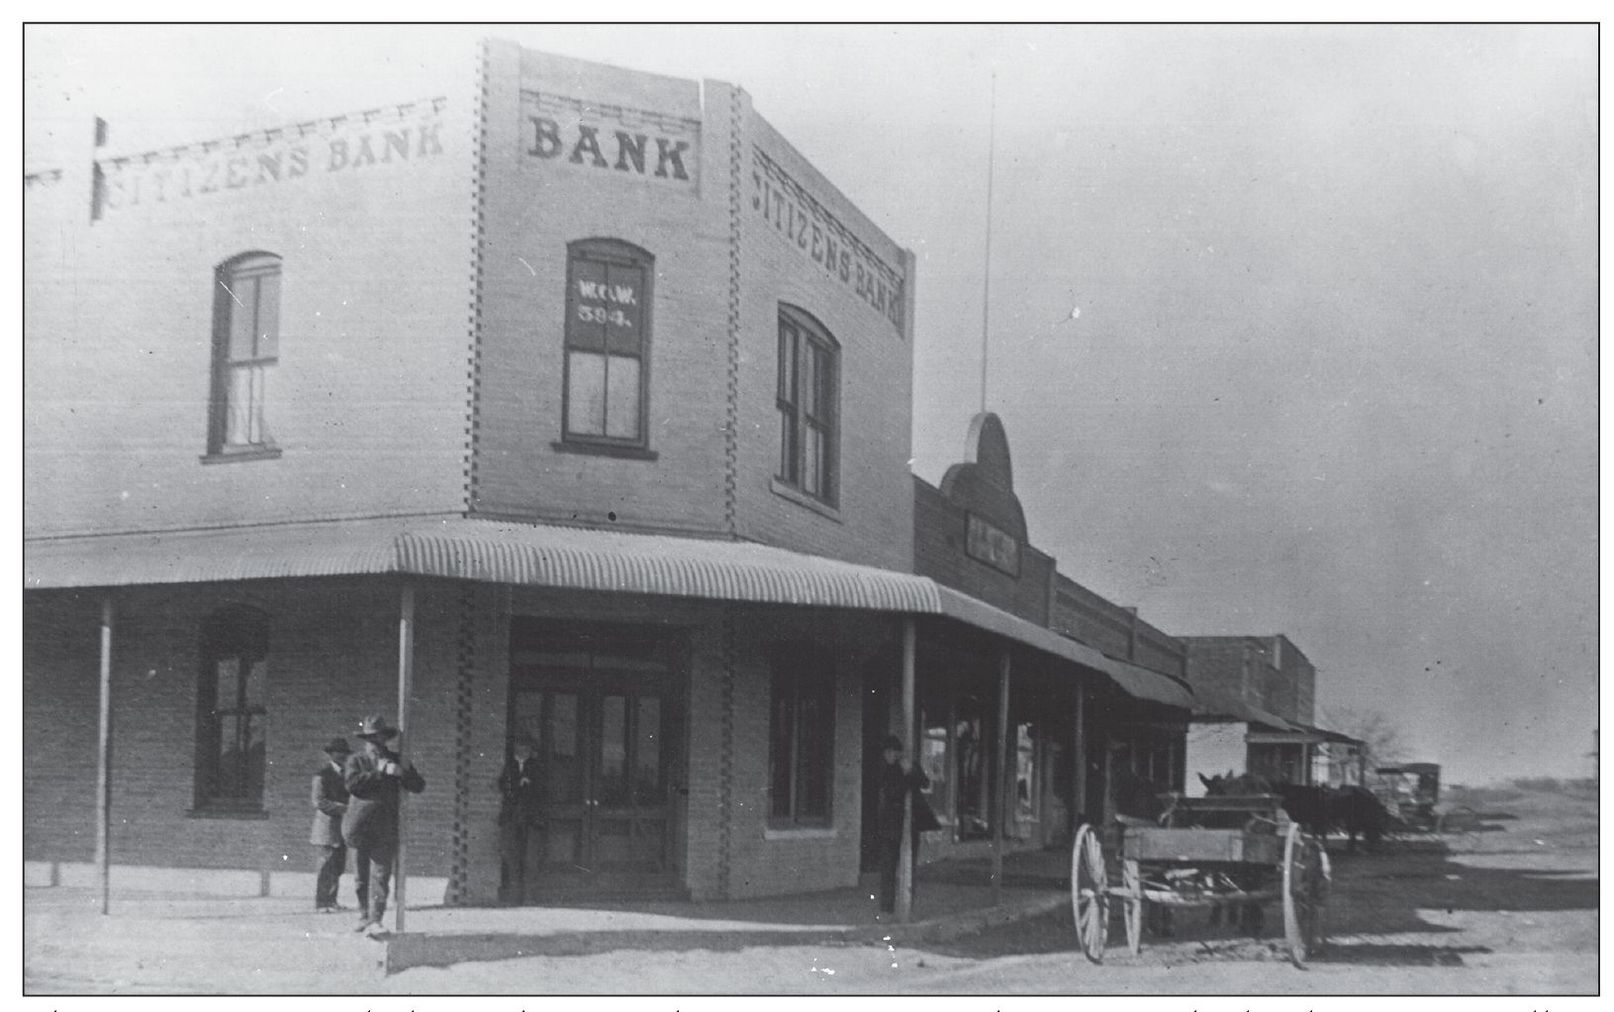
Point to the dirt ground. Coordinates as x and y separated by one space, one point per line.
1508 907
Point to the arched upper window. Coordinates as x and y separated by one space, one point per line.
607 345
809 405
246 348
231 710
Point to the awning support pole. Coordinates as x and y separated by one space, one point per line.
103 787
905 860
1078 747
406 689
1005 772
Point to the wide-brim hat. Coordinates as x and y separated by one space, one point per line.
338 746
375 726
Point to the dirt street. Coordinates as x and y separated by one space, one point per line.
1510 907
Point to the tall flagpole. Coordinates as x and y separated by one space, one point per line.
986 274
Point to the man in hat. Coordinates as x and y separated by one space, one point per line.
373 776
895 784
330 802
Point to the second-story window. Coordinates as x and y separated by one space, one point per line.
246 348
809 385
607 342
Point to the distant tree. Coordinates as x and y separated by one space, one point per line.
1382 739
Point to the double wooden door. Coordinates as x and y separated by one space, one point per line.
605 722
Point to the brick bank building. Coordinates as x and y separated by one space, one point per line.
569 402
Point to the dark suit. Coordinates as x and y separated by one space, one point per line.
370 825
519 805
329 796
895 783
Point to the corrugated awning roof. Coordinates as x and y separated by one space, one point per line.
546 556
1145 683
1215 707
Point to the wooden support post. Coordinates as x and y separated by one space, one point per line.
103 794
905 859
1079 750
406 689
1005 770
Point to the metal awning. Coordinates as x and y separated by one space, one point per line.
1232 708
1132 679
1145 683
539 555
1334 737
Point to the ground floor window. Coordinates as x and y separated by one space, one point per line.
801 739
230 710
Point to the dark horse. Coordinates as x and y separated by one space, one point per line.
1319 810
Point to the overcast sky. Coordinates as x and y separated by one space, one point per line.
1334 371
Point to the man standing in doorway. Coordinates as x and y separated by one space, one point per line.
330 803
373 777
518 807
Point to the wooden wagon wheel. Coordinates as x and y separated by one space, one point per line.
1089 894
1306 878
1132 904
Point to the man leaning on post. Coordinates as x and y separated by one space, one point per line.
374 776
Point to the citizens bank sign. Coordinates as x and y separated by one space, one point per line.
574 135
816 234
399 136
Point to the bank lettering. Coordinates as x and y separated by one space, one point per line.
805 224
568 132
207 169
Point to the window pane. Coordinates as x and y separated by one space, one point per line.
816 753
624 308
933 760
242 296
252 762
781 747
225 683
563 769
256 674
812 462
585 406
647 789
787 444
622 397
1025 773
268 316
585 306
229 781
613 785
243 412
808 381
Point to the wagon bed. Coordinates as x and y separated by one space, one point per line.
1255 856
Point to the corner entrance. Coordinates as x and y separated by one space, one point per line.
602 707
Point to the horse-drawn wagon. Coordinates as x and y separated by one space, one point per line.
1225 851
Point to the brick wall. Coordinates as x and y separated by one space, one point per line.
333 657
1219 665
873 520
1082 615
368 400
534 207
